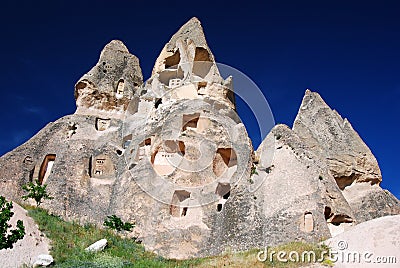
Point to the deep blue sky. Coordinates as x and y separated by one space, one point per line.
348 51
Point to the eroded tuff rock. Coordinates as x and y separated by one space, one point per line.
312 204
172 156
169 163
349 159
111 84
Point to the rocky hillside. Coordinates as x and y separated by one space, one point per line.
172 155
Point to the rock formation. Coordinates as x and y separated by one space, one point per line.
172 156
348 158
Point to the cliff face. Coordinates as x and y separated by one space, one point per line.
348 158
172 156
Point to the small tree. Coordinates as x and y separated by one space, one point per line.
253 170
115 223
9 237
36 192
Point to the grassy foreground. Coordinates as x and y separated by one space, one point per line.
69 241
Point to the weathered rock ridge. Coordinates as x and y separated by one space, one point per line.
348 158
172 155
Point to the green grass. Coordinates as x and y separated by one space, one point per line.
69 241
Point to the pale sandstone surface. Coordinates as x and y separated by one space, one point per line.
27 249
374 243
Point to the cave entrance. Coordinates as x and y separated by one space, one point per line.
225 161
308 222
223 190
179 203
190 121
46 167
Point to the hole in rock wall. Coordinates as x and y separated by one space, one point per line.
157 103
190 121
225 160
120 87
27 160
345 181
171 146
144 149
228 155
101 166
327 213
340 218
102 124
202 62
81 85
175 82
126 141
223 191
219 207
90 166
46 167
162 158
201 54
308 222
173 60
201 86
337 223
184 211
71 129
178 207
336 219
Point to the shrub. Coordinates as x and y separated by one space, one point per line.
9 237
36 192
115 223
253 170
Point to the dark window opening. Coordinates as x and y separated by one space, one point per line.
173 60
179 196
120 87
223 190
102 124
340 218
327 213
90 166
158 102
81 85
219 207
184 211
227 195
201 54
